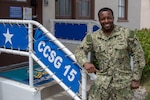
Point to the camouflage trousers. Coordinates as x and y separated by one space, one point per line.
99 93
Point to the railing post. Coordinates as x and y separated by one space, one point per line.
84 84
30 45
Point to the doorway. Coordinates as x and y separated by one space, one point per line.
13 9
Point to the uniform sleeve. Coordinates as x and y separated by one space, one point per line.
82 50
137 53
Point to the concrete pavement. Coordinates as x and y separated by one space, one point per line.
55 92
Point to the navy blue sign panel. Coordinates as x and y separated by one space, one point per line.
70 31
13 36
57 61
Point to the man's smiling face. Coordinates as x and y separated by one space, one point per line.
106 20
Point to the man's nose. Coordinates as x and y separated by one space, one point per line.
106 19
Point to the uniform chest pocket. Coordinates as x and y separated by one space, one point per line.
99 48
121 50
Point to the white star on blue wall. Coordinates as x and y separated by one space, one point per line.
8 36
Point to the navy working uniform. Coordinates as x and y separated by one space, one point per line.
113 56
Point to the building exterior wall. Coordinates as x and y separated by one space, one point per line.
145 14
134 10
138 12
48 13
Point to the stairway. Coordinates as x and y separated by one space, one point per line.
48 51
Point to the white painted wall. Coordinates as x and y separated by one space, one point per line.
48 13
145 14
12 90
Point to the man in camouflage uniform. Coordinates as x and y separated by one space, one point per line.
112 47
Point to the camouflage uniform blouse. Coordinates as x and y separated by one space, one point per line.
113 54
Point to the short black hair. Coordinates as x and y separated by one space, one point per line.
106 9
